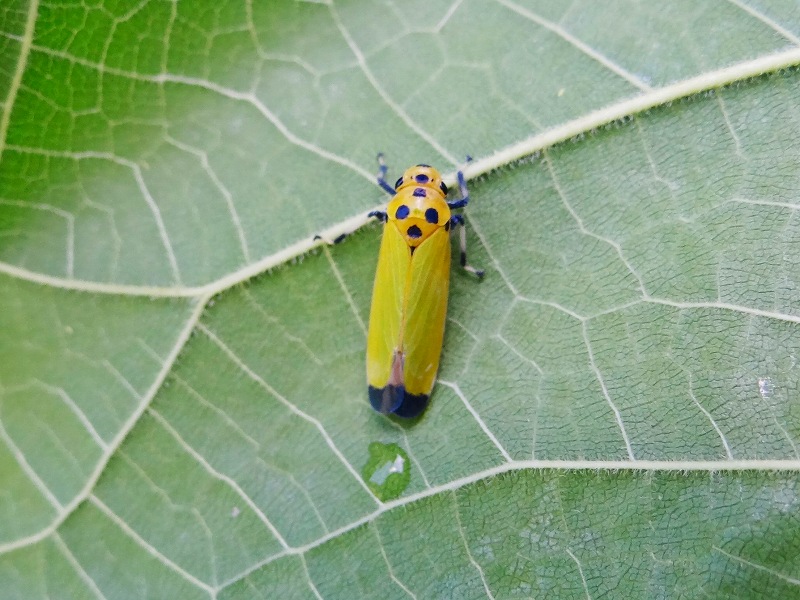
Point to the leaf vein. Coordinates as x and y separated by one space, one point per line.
292 408
26 43
577 43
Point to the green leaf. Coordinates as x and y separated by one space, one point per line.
182 402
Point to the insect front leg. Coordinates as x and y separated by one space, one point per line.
381 177
380 215
462 187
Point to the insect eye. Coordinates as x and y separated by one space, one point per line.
402 212
432 216
397 183
444 188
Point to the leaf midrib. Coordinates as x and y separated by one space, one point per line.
526 147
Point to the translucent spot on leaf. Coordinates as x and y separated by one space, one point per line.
387 472
764 388
235 512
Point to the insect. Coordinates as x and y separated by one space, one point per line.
409 300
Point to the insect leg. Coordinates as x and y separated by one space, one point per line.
458 221
382 168
337 240
378 214
462 186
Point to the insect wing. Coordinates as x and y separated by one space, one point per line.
425 312
386 314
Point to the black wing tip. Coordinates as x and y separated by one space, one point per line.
387 399
413 405
394 399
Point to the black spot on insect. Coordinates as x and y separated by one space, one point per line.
398 182
427 166
447 226
420 192
432 216
402 212
444 188
421 178
414 232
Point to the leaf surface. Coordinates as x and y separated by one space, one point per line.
182 402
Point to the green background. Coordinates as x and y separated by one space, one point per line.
182 403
